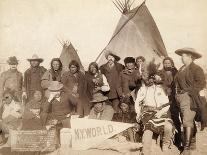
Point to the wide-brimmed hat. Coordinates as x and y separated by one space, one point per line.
35 57
12 61
98 97
188 50
116 57
55 86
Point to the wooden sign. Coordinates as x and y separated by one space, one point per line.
33 140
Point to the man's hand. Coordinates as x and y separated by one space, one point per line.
202 93
68 115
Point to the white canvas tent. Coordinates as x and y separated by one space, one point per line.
136 34
68 54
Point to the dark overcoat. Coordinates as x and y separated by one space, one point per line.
195 80
114 80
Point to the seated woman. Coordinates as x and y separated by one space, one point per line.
151 106
31 117
101 110
126 115
11 113
96 82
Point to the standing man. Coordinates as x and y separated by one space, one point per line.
190 83
130 78
32 77
112 70
11 79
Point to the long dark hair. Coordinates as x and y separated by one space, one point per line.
56 59
93 64
75 63
56 75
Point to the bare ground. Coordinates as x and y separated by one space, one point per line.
200 150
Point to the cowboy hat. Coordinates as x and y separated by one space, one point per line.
35 57
55 86
117 58
12 61
188 50
98 97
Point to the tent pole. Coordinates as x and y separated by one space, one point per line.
117 6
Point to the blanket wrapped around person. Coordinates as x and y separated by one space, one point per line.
149 121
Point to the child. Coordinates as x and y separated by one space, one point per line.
11 113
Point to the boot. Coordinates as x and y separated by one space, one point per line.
187 140
193 139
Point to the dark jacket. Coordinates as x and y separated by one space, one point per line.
12 80
77 87
113 78
130 81
74 85
195 81
167 81
58 109
32 80
129 117
31 121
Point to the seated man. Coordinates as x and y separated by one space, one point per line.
126 115
101 110
151 106
59 106
31 117
11 113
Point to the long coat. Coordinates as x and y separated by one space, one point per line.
77 87
114 80
92 87
130 81
32 80
195 80
12 80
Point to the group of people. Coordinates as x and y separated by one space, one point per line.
157 102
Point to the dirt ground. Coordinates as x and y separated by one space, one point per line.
200 150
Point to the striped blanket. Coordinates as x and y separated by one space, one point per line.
150 122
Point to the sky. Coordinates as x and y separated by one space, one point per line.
30 27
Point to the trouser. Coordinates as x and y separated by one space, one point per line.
115 104
147 138
83 107
188 116
175 113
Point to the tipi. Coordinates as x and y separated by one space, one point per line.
68 54
135 35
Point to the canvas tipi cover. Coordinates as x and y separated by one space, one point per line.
68 54
135 35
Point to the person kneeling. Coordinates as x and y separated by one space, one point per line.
126 115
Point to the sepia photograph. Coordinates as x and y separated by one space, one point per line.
103 77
